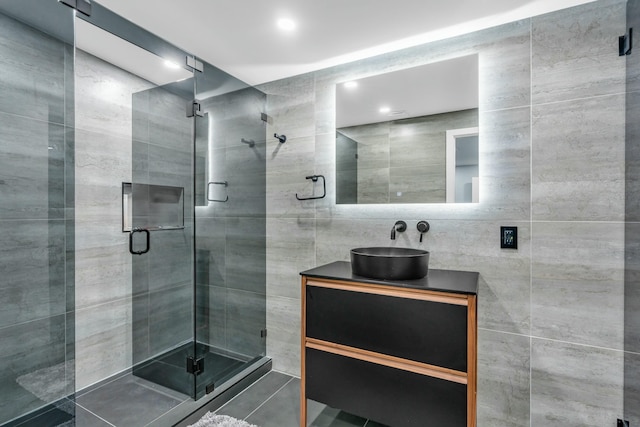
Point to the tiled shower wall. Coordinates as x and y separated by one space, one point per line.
103 315
36 217
552 155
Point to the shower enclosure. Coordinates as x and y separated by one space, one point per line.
132 212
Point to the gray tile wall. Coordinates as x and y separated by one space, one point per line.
36 218
103 267
632 233
552 163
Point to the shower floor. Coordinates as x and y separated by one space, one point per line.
169 369
126 400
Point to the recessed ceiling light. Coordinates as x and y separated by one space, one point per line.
286 24
385 110
172 65
351 85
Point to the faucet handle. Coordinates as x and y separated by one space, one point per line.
423 227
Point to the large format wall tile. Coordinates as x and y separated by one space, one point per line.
283 326
504 284
578 160
633 61
578 282
103 96
287 166
32 168
245 319
170 318
632 287
103 262
290 105
575 54
32 262
103 341
170 258
245 265
632 157
505 163
632 388
503 379
246 176
33 74
573 385
290 249
168 124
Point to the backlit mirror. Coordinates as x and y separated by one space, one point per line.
409 136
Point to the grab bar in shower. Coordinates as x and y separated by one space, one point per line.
225 183
139 230
314 178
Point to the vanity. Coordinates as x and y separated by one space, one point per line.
399 352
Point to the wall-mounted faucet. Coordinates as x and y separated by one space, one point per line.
398 226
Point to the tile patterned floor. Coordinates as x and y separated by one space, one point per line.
129 401
274 401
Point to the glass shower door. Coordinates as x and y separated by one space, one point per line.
36 209
230 235
162 236
135 208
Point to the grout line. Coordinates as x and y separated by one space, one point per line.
242 392
94 414
584 98
268 399
580 344
530 212
497 331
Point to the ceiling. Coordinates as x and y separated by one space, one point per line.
241 36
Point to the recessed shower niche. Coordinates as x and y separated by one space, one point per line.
152 207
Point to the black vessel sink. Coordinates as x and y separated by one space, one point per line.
388 263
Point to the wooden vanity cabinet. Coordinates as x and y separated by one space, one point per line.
397 355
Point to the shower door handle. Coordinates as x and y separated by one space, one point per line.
139 230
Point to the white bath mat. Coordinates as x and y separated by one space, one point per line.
214 420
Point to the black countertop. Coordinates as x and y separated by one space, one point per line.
460 282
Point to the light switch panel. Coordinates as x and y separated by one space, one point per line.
509 237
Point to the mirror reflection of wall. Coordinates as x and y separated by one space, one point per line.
463 165
391 139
